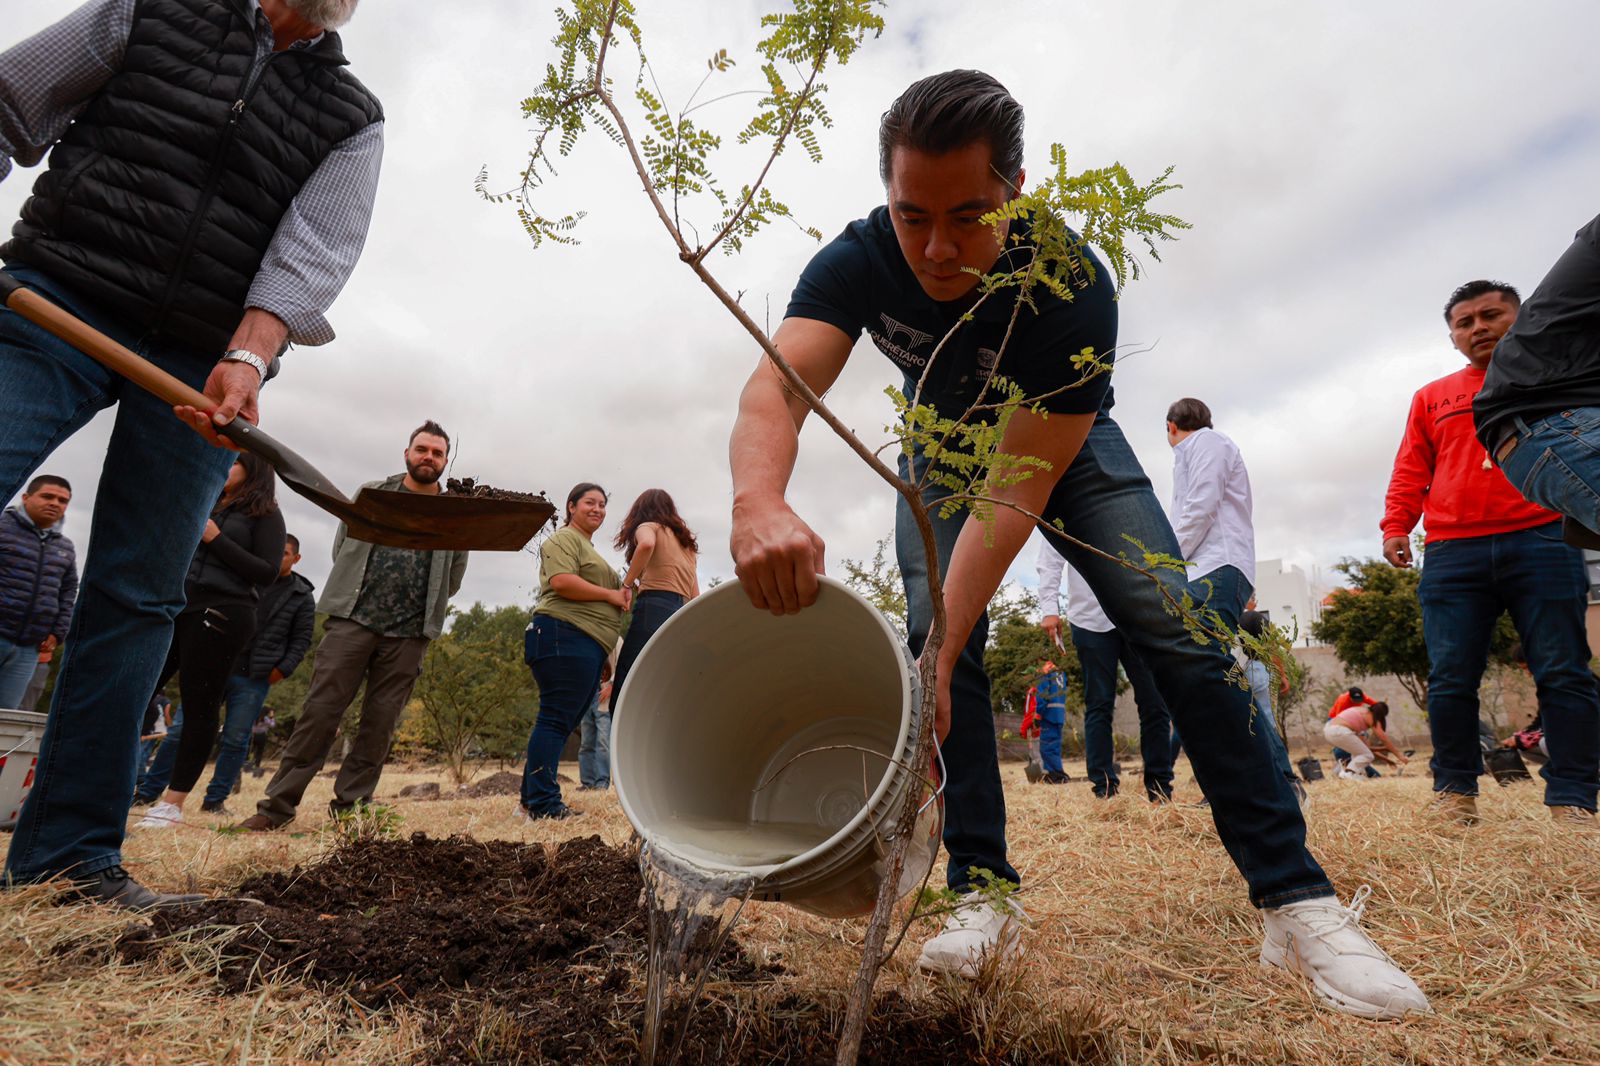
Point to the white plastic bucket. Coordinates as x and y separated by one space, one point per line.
777 746
20 735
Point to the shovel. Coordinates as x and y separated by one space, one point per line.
449 522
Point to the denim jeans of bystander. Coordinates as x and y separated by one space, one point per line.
594 747
17 664
566 665
157 486
1105 500
1466 585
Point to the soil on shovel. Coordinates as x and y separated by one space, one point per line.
526 954
467 486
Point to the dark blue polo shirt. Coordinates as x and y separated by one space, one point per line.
861 281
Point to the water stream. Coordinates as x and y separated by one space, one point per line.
694 899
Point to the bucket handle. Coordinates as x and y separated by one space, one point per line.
25 738
938 753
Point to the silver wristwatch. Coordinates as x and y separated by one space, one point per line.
245 355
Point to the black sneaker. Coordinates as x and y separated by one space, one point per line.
113 885
1055 778
559 811
214 807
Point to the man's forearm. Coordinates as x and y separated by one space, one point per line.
764 444
976 570
261 332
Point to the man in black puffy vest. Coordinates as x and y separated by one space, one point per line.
210 172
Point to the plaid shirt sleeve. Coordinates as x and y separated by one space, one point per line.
46 80
320 238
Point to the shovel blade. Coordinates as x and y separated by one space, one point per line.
403 519
445 522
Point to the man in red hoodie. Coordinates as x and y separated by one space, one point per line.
1489 550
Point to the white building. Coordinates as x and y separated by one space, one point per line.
1288 598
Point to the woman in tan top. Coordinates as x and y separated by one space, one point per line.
662 555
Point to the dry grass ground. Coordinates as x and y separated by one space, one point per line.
1142 949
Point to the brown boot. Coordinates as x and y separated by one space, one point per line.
1453 807
1574 818
259 823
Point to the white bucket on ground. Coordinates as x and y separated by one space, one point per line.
762 744
20 735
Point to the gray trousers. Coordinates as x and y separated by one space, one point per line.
349 654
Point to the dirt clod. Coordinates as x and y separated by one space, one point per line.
466 486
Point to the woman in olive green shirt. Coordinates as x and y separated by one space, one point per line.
574 627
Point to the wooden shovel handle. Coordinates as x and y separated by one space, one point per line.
99 347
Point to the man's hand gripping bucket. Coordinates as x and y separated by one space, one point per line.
778 746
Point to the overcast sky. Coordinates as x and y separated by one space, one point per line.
1345 166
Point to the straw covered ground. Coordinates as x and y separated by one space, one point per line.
517 945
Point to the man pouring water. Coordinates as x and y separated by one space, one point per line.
950 152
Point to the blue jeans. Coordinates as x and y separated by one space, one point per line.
1224 591
1099 654
594 747
245 697
1050 727
157 487
1103 499
155 774
1531 573
1556 463
1260 678
566 665
17 663
651 609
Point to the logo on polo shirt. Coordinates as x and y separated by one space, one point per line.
898 341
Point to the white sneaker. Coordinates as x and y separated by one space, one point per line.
973 930
1347 774
1324 941
160 816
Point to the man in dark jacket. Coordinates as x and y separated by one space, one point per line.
285 618
38 583
210 170
284 624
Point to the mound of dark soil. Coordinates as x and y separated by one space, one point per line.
528 954
504 783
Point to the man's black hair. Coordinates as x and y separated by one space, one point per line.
1189 414
47 479
1482 287
294 541
430 427
946 112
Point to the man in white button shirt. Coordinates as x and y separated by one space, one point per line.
1100 648
1211 511
1211 514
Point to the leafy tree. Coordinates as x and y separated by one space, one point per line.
1375 626
475 694
879 583
1017 646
